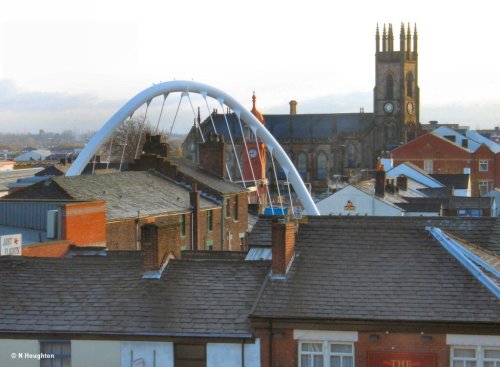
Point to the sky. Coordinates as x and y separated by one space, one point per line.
70 64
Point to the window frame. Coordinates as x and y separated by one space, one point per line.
483 165
59 358
236 207
427 163
479 351
326 351
182 225
210 220
227 208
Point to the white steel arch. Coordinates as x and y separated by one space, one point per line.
205 90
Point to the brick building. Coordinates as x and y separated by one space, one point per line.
390 295
446 151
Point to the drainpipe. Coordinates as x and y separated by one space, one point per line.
270 343
222 221
243 353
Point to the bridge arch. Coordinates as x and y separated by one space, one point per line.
205 90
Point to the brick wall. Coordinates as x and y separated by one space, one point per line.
283 246
285 347
47 249
84 224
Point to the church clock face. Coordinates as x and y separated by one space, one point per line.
388 107
252 153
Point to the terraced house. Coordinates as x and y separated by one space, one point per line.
401 292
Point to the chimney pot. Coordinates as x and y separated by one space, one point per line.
293 107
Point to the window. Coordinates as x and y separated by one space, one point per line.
483 166
302 165
227 207
182 224
389 94
326 354
61 351
190 355
475 356
428 166
484 187
409 84
463 357
209 245
235 214
210 220
350 156
321 168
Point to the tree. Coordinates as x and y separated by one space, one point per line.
131 135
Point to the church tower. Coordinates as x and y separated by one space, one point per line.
396 92
254 164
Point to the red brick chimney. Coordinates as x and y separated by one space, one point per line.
380 180
194 201
212 155
283 246
158 242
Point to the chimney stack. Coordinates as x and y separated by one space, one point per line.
158 242
402 182
194 201
212 154
379 182
283 246
293 107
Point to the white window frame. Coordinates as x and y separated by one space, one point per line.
428 166
480 354
483 162
326 351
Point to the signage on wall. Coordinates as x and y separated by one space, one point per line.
349 206
392 359
10 245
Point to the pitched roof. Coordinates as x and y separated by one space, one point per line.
125 193
298 127
108 295
459 181
190 169
389 271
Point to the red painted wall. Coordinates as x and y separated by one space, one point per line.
84 224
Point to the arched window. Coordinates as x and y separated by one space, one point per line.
409 84
302 165
351 159
321 166
389 94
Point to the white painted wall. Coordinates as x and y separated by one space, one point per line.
162 353
18 346
95 353
365 204
229 354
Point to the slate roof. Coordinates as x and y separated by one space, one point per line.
459 181
190 169
106 295
125 193
386 272
297 127
484 231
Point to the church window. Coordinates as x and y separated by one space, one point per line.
321 167
351 159
390 87
302 165
409 84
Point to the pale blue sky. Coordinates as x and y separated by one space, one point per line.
72 64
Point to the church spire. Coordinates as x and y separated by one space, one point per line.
384 40
390 38
377 40
408 42
402 38
415 39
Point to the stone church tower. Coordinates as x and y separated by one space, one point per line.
396 92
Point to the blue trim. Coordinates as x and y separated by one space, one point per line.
451 246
